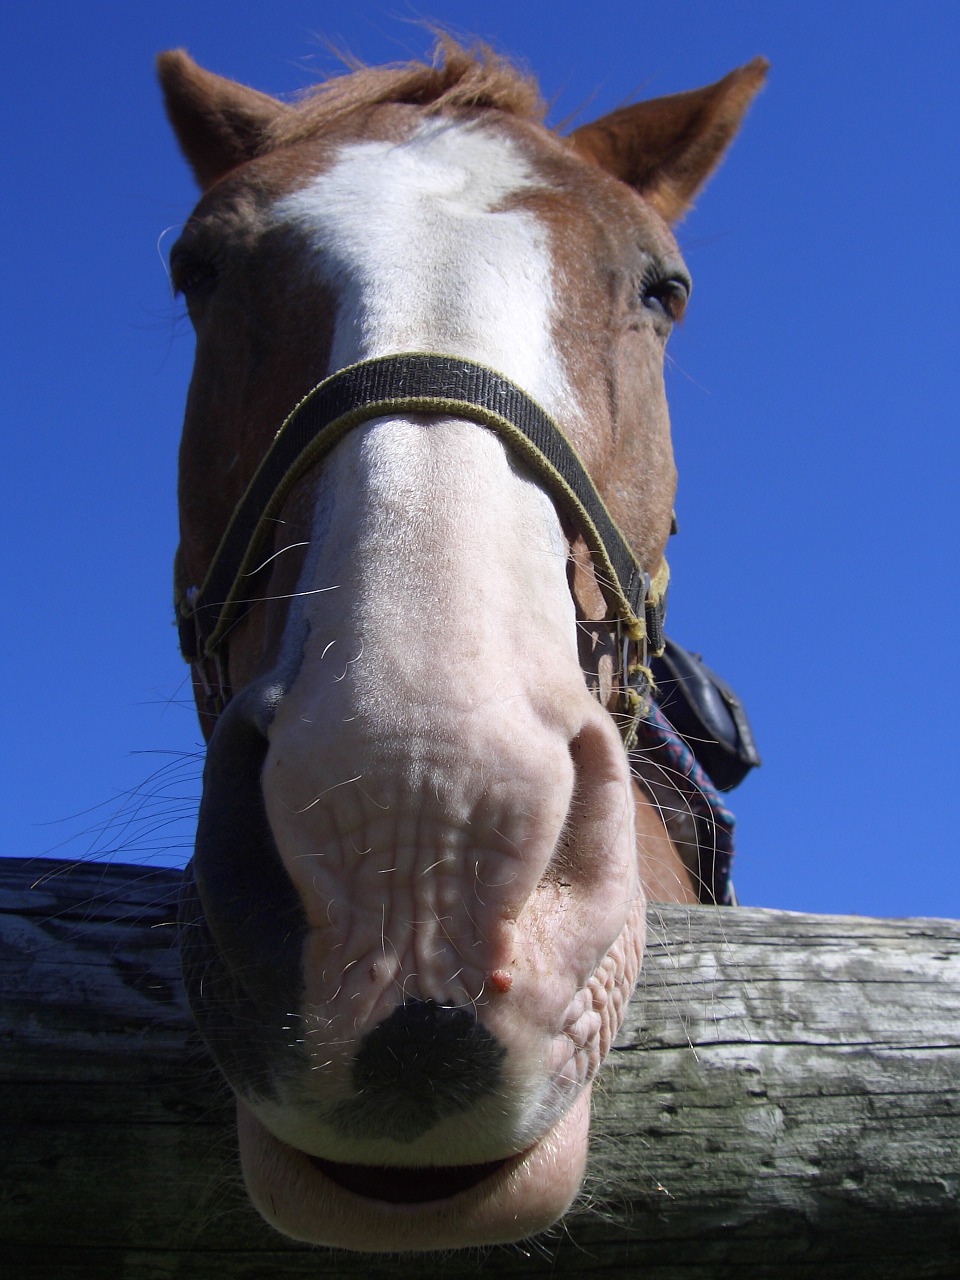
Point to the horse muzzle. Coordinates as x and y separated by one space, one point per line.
412 982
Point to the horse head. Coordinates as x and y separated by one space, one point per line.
415 911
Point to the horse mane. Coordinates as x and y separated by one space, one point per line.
456 77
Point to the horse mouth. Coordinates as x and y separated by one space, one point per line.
408 1185
374 1209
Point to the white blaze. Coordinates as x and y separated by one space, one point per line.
427 258
419 241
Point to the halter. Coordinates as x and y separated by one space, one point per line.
439 386
448 387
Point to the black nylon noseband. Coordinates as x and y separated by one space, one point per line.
417 384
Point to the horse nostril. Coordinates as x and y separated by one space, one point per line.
241 907
423 1063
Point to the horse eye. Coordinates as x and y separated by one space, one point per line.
192 276
667 296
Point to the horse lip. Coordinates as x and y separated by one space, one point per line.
302 1201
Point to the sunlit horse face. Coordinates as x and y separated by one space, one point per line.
417 904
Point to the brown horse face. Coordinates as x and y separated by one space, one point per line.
416 905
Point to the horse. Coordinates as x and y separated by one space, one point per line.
425 488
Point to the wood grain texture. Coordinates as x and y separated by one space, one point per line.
784 1100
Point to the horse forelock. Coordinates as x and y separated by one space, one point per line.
457 78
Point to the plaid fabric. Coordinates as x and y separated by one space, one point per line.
659 741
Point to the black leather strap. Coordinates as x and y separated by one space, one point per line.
706 713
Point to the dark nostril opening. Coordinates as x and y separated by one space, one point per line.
249 900
599 762
243 924
423 1063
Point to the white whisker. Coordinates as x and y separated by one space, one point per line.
291 547
345 783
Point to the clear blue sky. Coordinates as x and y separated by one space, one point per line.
813 390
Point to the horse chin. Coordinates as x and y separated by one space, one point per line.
506 1201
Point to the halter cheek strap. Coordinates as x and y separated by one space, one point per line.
437 386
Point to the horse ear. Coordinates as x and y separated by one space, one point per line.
666 148
218 123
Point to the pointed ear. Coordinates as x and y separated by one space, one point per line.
218 123
667 148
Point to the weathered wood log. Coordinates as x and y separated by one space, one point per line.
784 1101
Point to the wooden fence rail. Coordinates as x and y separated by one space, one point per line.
783 1101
